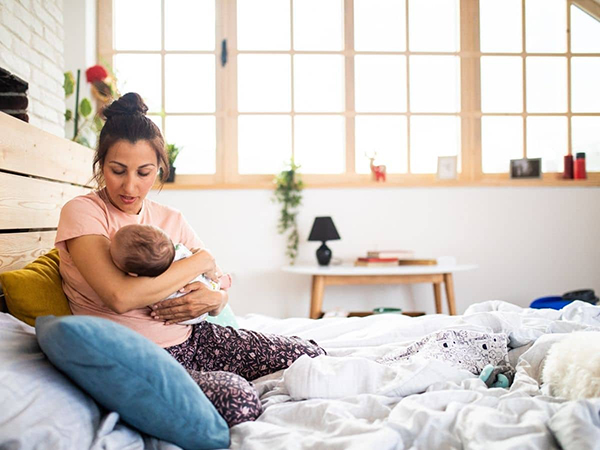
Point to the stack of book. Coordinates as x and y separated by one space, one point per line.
388 258
376 262
398 254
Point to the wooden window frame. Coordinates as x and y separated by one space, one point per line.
471 173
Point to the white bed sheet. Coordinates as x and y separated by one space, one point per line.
346 401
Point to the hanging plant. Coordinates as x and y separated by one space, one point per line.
288 192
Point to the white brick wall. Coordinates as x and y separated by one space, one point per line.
32 47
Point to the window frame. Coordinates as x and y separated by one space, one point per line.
471 173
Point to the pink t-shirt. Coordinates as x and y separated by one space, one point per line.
91 214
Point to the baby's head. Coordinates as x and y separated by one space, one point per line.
142 250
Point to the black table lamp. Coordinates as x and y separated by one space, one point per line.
323 230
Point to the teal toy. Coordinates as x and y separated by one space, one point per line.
497 376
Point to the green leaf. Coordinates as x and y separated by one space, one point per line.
83 141
288 192
172 153
68 115
98 124
85 107
69 83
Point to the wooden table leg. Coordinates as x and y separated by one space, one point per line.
437 293
450 293
316 299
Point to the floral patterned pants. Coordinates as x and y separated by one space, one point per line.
223 361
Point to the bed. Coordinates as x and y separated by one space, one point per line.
346 400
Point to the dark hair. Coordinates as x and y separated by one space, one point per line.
147 250
126 120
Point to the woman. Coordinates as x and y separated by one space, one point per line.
130 152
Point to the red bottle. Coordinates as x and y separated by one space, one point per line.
568 172
579 168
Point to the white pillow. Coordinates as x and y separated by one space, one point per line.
41 408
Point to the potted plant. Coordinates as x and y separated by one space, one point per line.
288 192
172 153
87 124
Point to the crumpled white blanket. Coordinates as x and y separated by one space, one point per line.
337 377
348 401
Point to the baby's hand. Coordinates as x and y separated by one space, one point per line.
212 276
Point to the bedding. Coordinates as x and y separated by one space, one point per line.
347 400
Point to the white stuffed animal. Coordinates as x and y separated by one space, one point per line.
572 367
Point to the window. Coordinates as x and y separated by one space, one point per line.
538 88
245 85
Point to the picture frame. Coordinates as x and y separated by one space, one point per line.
447 168
525 168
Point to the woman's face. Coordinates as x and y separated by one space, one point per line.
129 171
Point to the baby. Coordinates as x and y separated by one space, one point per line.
145 250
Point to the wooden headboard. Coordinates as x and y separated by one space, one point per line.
39 173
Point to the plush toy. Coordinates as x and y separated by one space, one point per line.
497 376
572 366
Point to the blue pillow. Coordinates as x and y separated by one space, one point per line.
125 372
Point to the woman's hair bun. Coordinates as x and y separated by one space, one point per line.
128 105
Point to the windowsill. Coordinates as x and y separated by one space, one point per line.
193 182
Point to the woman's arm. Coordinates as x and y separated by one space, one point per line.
121 292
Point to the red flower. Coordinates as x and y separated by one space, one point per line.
96 73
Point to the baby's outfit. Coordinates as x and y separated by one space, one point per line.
181 252
465 349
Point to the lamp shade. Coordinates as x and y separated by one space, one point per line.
323 230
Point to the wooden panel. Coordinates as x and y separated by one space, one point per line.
27 149
19 249
27 203
592 7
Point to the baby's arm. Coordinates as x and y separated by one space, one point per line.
223 281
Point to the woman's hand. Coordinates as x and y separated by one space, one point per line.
199 299
208 263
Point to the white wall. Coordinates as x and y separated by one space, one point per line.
80 46
527 242
31 47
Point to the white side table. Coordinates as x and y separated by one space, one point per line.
349 274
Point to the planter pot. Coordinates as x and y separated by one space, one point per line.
171 177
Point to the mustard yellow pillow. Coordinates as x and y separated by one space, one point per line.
36 289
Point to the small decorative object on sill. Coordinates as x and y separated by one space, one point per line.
579 172
377 171
526 168
568 171
447 167
172 153
288 192
323 230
